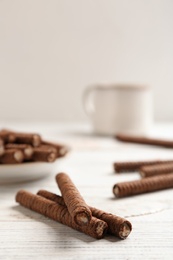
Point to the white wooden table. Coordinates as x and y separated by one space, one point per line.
25 234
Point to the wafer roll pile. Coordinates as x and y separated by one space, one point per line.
156 174
17 147
70 209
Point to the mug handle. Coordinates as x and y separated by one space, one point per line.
88 102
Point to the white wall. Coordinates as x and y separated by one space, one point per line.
51 50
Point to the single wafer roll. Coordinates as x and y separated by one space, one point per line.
26 149
157 169
62 150
117 226
12 156
48 148
145 185
96 228
134 166
144 140
3 135
27 138
7 136
1 147
43 155
76 205
20 138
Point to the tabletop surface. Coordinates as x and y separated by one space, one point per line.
25 234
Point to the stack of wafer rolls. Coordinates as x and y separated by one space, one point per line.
17 147
156 175
70 209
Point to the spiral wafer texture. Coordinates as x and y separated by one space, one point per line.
12 156
134 166
143 186
157 169
117 226
96 228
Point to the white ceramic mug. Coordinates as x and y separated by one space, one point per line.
119 108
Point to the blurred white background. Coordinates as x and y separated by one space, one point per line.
51 50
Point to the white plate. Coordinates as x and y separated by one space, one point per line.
13 173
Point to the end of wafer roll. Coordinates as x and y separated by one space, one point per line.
82 216
76 205
12 156
125 229
116 190
1 147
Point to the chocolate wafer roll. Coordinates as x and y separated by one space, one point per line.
157 169
62 150
134 166
51 196
24 138
145 185
48 148
7 136
26 149
78 209
12 156
27 138
1 147
117 226
144 140
96 228
43 155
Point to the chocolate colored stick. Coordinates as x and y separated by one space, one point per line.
96 228
117 226
7 136
22 138
11 156
144 140
27 138
76 205
43 155
134 166
26 149
62 150
157 169
1 147
48 148
143 186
